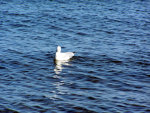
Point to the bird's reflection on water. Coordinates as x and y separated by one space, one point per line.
59 65
59 89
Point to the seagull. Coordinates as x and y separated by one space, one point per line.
63 56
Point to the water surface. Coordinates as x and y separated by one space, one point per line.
109 73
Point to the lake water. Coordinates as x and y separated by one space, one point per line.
110 72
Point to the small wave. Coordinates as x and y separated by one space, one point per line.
15 25
112 60
1 67
14 51
7 110
144 63
15 62
79 109
94 79
17 14
82 34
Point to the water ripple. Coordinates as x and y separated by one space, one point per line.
110 70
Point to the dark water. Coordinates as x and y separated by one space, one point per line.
109 74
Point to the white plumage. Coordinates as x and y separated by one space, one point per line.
63 56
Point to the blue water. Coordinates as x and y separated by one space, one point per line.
110 72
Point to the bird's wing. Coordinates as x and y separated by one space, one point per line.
67 55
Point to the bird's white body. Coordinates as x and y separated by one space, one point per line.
63 56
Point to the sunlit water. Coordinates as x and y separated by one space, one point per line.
110 72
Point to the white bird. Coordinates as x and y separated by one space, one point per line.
63 56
